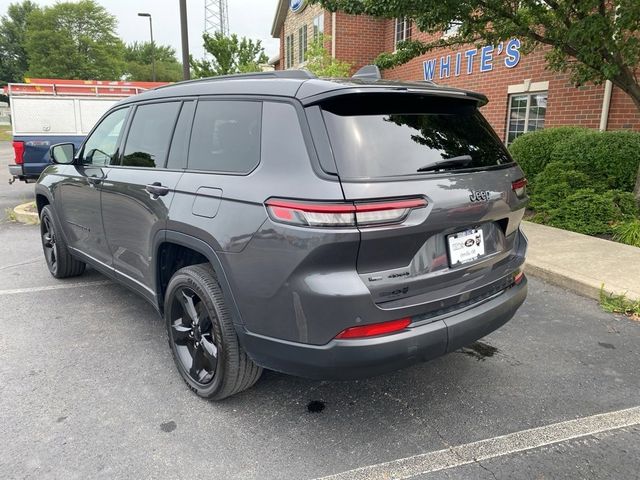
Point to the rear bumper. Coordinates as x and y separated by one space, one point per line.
15 170
348 359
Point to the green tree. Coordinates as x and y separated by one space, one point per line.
229 55
593 40
137 57
74 40
13 27
321 63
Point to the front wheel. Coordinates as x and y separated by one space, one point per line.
59 261
202 337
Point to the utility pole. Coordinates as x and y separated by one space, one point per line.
153 46
184 30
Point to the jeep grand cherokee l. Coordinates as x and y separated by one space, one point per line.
322 228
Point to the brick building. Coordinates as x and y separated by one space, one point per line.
523 95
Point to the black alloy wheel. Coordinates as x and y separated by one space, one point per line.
49 244
202 335
60 262
193 335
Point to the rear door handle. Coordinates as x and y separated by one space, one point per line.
156 189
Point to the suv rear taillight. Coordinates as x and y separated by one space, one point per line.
18 149
349 214
519 187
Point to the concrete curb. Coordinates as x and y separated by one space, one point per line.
581 263
576 283
23 215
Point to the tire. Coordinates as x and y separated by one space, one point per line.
59 261
202 337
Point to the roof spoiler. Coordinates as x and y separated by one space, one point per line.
368 72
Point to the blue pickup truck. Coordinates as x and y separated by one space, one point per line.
43 114
31 154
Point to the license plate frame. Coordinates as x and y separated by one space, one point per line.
465 246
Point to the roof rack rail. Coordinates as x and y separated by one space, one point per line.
368 72
294 74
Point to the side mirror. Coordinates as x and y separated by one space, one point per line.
62 153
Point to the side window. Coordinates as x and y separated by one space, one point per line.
226 136
101 146
149 135
181 134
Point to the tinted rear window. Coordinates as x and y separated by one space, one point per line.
398 135
226 136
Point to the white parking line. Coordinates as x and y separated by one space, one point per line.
465 454
53 287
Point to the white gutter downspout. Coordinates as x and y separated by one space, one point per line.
333 34
606 104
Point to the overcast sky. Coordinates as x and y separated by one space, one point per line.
250 18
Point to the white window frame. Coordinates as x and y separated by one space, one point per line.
318 26
289 54
303 40
402 30
529 89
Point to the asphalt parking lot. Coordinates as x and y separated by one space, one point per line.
88 390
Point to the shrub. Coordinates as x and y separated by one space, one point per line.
611 157
556 182
589 212
628 232
533 150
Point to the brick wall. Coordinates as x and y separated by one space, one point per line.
292 24
358 39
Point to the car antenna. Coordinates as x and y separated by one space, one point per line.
368 72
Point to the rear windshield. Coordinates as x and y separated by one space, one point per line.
399 135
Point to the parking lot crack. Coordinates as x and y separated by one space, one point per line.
485 468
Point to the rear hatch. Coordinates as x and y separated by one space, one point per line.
463 243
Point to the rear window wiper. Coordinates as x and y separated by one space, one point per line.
461 161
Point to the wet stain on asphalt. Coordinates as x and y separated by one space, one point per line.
479 350
168 426
61 419
315 406
607 345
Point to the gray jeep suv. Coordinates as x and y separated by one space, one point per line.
322 228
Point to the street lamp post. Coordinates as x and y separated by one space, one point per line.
184 31
153 47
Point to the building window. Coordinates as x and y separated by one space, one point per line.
318 26
452 30
288 54
403 30
526 114
302 43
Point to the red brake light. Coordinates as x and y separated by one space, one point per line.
375 329
519 187
18 149
314 214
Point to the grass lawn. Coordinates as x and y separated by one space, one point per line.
5 133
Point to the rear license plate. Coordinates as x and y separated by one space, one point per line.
465 246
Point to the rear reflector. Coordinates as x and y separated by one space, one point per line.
18 149
312 214
519 187
518 277
375 329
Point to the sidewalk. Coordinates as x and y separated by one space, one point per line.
581 263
